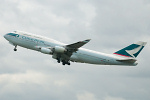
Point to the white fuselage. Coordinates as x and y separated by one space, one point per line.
32 41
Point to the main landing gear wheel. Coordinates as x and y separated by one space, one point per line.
58 60
68 63
64 62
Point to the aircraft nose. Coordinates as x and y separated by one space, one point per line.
5 36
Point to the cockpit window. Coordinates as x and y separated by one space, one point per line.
13 34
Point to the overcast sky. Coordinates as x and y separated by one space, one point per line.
111 24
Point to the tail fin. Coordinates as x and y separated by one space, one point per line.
132 50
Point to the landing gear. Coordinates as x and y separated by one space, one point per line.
59 59
68 63
15 49
64 62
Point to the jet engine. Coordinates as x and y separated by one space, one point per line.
46 50
59 49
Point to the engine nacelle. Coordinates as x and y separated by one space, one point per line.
59 49
46 50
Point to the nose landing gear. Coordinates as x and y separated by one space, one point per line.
15 49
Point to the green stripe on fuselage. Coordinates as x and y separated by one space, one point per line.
13 34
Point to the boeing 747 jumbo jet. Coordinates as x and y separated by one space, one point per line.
72 52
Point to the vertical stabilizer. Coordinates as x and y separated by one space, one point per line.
132 50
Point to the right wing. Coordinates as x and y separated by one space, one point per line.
63 53
74 47
78 44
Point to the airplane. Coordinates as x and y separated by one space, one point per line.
67 53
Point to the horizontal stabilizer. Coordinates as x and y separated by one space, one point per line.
127 60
